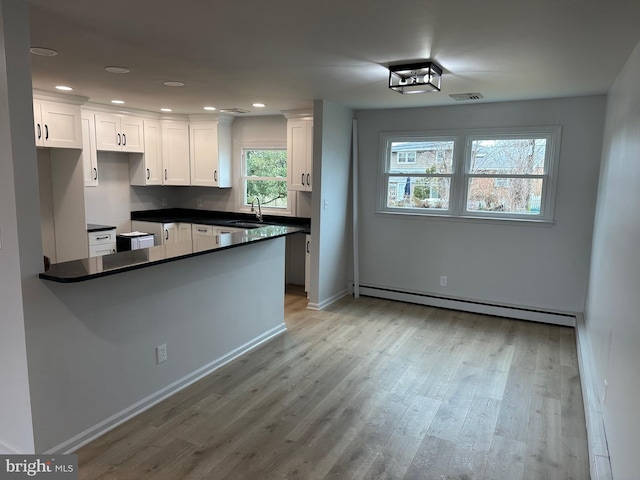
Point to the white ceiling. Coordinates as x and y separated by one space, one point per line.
286 53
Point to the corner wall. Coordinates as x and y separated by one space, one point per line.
17 159
331 200
613 305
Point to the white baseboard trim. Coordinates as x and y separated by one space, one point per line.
7 449
90 434
510 311
324 304
599 463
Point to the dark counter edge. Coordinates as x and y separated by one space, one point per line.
213 217
152 263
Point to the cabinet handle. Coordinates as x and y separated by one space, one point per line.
204 230
103 237
166 234
165 173
215 175
39 132
308 247
148 174
95 173
302 179
46 132
119 139
308 182
124 139
217 239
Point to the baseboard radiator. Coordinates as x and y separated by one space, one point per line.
566 319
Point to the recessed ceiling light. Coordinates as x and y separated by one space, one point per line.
64 88
118 102
259 105
174 84
166 110
210 108
45 52
114 69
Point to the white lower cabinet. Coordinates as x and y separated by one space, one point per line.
166 233
206 237
102 242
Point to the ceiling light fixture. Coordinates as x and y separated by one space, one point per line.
117 102
173 84
114 69
166 110
259 105
64 88
420 77
210 108
43 52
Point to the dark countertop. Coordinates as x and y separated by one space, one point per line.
208 217
95 267
94 227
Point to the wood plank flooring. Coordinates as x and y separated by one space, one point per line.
369 389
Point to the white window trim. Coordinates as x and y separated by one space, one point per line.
460 178
240 196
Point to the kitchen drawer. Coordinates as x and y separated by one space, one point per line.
99 250
202 230
102 238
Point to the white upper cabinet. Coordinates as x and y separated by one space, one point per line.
89 153
210 153
146 169
300 150
57 125
119 133
175 153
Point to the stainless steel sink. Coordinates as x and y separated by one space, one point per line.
244 224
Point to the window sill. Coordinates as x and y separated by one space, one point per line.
468 218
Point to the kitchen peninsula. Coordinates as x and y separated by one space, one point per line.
206 308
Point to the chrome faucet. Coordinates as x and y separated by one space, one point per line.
259 212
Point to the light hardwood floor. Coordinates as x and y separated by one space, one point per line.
369 389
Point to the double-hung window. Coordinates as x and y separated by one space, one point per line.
264 175
498 173
425 181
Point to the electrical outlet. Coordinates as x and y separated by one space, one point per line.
161 353
164 201
443 281
199 203
604 394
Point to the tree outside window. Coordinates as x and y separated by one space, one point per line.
265 177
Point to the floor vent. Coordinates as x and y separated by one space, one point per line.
462 97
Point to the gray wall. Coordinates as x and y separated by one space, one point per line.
612 318
17 162
331 226
543 267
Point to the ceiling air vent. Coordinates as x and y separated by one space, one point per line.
233 110
463 97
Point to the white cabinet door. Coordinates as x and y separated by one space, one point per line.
89 153
119 133
210 153
175 153
204 154
184 232
299 154
108 137
131 129
57 125
146 169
